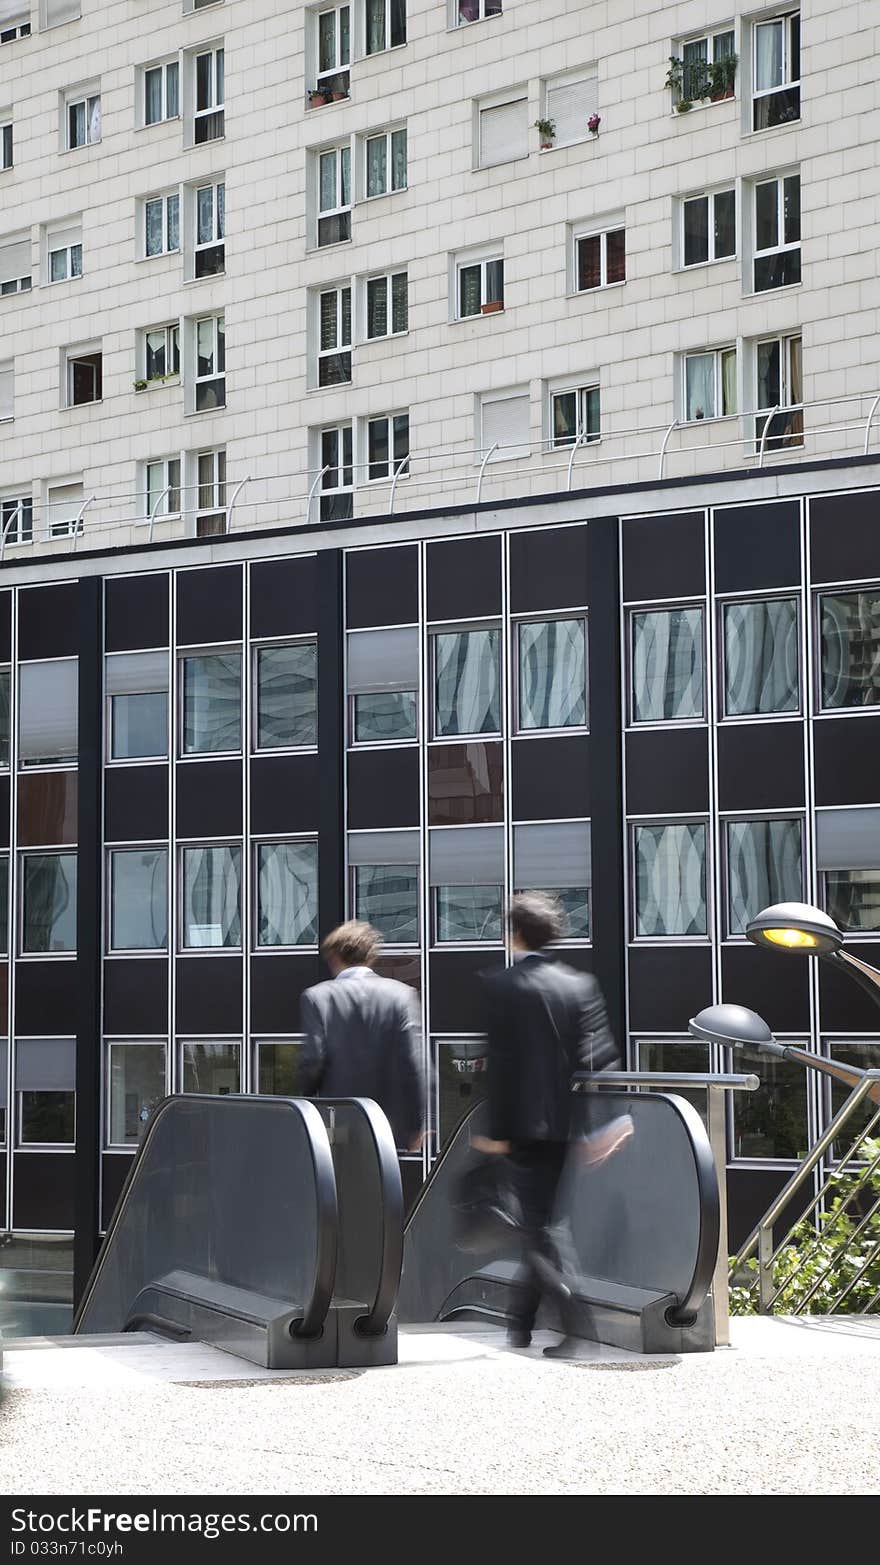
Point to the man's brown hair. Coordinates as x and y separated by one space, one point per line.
355 944
536 919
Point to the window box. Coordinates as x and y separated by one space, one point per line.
492 307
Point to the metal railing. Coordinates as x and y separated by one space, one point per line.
814 1228
716 1086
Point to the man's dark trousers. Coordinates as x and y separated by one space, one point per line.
538 1169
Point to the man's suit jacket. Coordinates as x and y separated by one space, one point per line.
363 1040
545 1022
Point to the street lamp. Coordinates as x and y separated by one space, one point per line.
735 1027
795 926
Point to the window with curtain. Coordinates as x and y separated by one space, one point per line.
710 384
761 657
776 71
385 25
211 703
552 673
334 196
764 865
574 416
670 880
211 1067
210 92
48 904
287 696
209 256
136 1079
334 49
162 224
600 259
139 899
477 10
779 384
387 896
334 336
337 475
212 897
209 385
467 683
850 648
387 304
161 92
83 121
386 163
667 665
480 283
287 893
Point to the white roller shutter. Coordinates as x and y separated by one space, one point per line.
848 839
551 855
58 11
136 673
506 420
47 716
7 381
15 259
504 132
13 11
383 847
467 856
569 106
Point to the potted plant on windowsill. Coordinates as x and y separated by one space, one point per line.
140 385
547 131
593 124
492 306
317 99
722 78
338 96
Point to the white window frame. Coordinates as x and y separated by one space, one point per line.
79 355
217 104
570 79
341 346
216 373
16 509
457 20
18 28
341 466
7 367
483 259
386 136
17 284
172 484
578 389
172 331
165 196
788 81
218 224
581 233
388 45
216 484
717 382
163 66
7 143
87 98
708 36
342 66
63 527
710 197
388 279
783 441
483 106
393 460
70 275
783 245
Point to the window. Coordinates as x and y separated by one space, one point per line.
287 893
161 92
385 883
7 391
84 377
468 914
48 923
337 480
137 690
45 1080
552 673
383 680
212 897
334 50
209 120
287 696
480 287
387 305
162 356
210 377
64 252
334 352
162 225
574 416
387 446
773 1124
708 227
47 713
708 67
475 10
466 866
667 665
460 1073
505 426
385 25
710 384
278 1067
850 649
17 518
467 682
136 1080
211 1067
334 196
4 884
210 493
670 880
15 264
139 899
780 383
385 169
556 857
54 12
777 250
503 131
761 657
569 102
852 897
211 703
600 259
764 865
83 121
848 857
14 20
776 71
210 250
64 507
6 149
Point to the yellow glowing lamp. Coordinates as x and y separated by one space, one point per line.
794 926
792 938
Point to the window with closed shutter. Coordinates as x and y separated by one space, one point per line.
15 264
6 390
569 105
505 421
58 11
504 132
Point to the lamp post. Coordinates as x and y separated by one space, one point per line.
795 926
735 1027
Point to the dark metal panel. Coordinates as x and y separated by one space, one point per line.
88 923
667 771
464 578
209 605
406 969
457 1001
382 587
284 596
5 626
776 986
843 1005
276 985
4 1003
115 1168
136 612
45 997
208 994
329 807
411 1179
4 810
667 986
845 537
549 569
551 778
136 996
209 801
750 1191
136 803
847 760
285 792
760 766
465 783
383 788
593 770
47 808
664 557
758 546
48 622
44 1189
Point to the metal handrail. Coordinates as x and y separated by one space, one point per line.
729 1081
673 426
874 406
483 469
404 462
235 494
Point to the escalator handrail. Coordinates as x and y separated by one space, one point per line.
442 1156
316 1308
391 1197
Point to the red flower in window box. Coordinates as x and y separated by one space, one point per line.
593 124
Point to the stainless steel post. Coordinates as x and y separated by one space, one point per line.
717 1128
765 1269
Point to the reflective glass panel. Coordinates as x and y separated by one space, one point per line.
49 902
764 865
287 893
211 897
287 696
468 913
388 714
211 1067
552 674
667 665
467 682
850 628
137 1083
670 880
387 896
761 657
139 899
212 703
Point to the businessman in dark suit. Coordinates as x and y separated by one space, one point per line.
545 1022
363 1036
